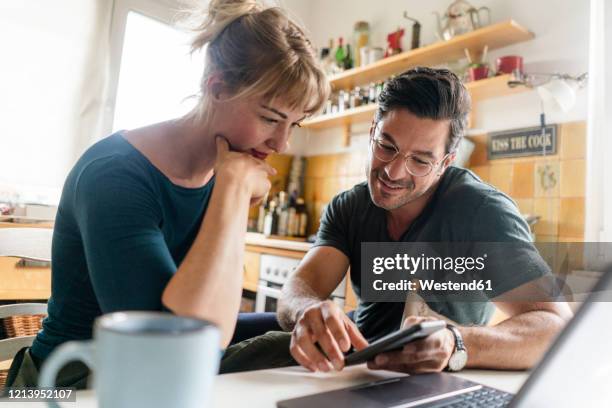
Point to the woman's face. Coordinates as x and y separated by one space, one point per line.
254 125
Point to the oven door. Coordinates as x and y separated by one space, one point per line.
267 297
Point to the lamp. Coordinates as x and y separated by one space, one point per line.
555 90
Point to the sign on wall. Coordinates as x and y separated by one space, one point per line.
522 142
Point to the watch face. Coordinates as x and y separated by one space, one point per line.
457 360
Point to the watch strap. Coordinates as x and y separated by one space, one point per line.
459 344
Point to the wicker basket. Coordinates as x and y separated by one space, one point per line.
3 376
20 326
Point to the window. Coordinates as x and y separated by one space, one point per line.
157 75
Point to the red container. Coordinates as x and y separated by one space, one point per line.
508 64
479 72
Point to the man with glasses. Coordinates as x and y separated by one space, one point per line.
414 194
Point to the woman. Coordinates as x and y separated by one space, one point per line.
154 218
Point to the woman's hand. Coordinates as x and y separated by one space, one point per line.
244 169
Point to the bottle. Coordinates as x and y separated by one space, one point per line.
293 223
356 97
302 217
361 37
340 54
343 101
283 216
348 59
263 208
379 88
329 62
271 220
372 93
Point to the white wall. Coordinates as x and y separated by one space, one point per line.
561 30
44 49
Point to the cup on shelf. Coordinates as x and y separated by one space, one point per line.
477 72
509 64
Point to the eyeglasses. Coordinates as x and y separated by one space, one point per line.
415 165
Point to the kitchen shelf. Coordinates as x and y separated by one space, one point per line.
495 36
479 90
355 115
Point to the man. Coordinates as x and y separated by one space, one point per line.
413 194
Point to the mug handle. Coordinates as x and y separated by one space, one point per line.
67 352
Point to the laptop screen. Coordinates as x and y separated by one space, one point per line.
577 371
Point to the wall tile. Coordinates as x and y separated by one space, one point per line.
525 205
546 238
500 175
314 166
479 155
548 210
309 189
571 222
573 178
281 162
522 180
573 140
546 179
482 172
357 163
342 164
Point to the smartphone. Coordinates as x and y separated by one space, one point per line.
394 341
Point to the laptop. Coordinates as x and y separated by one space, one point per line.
576 371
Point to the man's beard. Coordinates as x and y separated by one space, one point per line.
385 201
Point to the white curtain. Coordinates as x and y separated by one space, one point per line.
52 80
598 227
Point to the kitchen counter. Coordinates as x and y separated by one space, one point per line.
261 240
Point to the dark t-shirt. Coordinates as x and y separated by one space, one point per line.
462 209
121 229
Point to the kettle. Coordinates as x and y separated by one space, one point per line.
460 18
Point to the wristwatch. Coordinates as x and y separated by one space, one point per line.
458 359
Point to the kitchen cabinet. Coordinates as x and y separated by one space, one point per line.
251 271
23 282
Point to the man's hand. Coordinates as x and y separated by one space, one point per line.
325 324
430 354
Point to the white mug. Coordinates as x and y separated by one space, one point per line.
144 359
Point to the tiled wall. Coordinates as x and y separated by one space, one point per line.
327 175
282 164
552 187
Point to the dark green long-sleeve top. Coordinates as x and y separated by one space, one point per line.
122 228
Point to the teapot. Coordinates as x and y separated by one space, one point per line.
461 17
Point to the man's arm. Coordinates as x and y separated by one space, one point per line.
304 309
519 341
516 343
319 273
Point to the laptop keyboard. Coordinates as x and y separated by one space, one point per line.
483 397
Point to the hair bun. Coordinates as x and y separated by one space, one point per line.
218 15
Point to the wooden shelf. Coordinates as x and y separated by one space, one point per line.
492 88
479 90
495 36
349 116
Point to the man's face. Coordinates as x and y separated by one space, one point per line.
391 185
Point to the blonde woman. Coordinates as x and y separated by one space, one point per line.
154 218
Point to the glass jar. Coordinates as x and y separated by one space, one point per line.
361 38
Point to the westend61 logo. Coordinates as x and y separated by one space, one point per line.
412 264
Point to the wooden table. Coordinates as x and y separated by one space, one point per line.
263 388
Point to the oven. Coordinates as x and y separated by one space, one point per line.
274 271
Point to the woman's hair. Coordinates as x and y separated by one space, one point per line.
258 51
